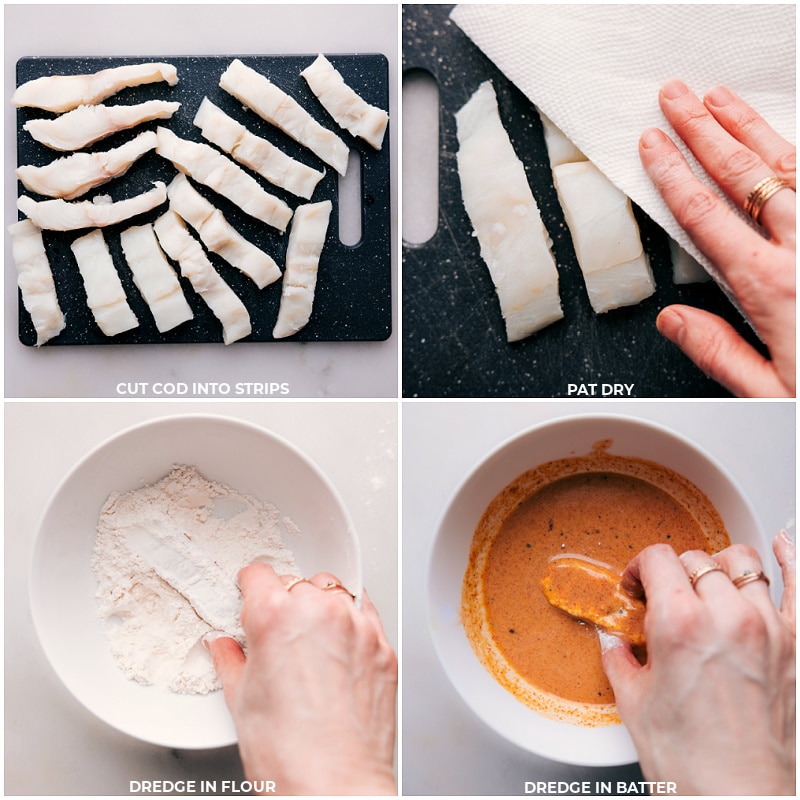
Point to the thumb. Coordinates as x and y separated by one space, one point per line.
619 664
229 660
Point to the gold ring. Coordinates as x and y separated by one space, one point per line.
293 582
336 585
762 192
749 577
703 569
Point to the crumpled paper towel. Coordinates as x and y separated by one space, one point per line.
595 70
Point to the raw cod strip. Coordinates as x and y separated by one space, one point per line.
104 293
188 570
60 93
218 235
504 214
275 106
209 167
306 240
560 149
74 175
348 109
62 215
35 279
256 153
86 125
182 248
605 236
155 278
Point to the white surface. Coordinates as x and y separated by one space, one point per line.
595 70
53 745
446 749
316 369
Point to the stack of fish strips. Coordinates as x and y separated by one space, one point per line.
84 120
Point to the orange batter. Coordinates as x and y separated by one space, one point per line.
600 506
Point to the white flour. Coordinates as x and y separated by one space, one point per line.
197 534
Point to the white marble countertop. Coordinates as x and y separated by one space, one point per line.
53 746
316 369
446 750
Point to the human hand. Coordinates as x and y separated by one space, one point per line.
713 709
738 149
314 700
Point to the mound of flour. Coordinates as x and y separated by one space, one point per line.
209 532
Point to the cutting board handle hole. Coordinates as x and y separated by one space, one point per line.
350 209
420 156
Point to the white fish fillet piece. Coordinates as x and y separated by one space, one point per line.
686 268
605 236
86 125
154 277
275 106
256 153
306 239
61 93
105 295
184 249
209 167
218 235
348 109
513 240
35 279
74 175
187 569
560 149
62 215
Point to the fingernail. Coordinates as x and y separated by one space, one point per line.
210 637
719 96
673 89
608 641
653 137
669 323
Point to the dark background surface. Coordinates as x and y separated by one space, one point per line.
353 295
454 341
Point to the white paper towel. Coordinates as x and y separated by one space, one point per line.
595 70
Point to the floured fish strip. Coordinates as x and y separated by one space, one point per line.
187 569
86 125
275 106
604 232
60 93
685 267
605 236
348 109
256 153
218 235
186 251
74 175
35 279
209 167
504 214
155 278
61 215
105 295
306 239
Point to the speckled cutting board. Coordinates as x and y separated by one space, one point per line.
453 335
353 294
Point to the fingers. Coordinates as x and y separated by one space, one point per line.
743 123
785 552
657 572
229 661
739 560
734 166
621 668
719 351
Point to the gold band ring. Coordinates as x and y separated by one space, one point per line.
293 582
762 192
703 569
335 585
749 577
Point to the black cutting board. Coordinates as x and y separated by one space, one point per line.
353 294
454 341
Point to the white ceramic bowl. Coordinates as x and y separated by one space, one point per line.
561 438
246 457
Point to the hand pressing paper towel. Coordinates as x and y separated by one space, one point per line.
595 71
